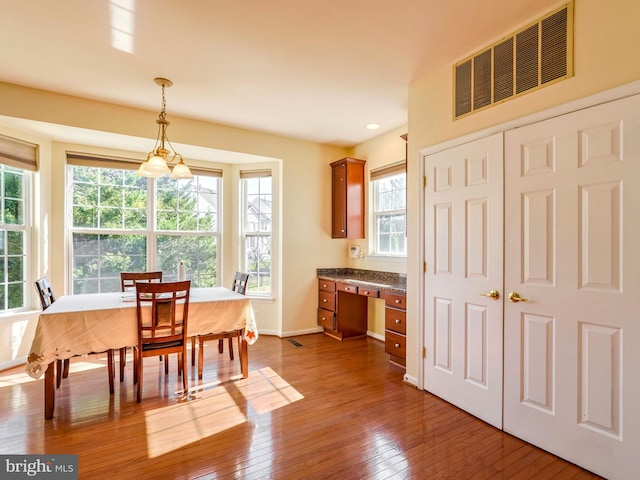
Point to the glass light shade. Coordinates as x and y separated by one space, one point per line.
142 170
181 171
156 166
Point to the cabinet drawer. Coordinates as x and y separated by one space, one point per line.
394 300
346 287
395 344
326 318
395 320
327 300
326 285
368 292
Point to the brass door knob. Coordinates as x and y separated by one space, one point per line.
493 295
515 297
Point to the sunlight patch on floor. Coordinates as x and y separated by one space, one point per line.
15 379
215 410
176 426
19 378
265 390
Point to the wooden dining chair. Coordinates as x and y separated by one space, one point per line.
239 285
128 280
128 284
47 298
162 310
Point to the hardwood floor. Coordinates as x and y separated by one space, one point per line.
322 410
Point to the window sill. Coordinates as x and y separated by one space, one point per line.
259 299
17 316
387 258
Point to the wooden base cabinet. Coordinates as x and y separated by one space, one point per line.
395 324
342 311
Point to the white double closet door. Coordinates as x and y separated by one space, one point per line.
549 212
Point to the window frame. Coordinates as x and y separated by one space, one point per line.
28 294
244 234
376 176
151 232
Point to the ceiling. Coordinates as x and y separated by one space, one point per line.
305 69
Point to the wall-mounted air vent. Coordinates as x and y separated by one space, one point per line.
531 58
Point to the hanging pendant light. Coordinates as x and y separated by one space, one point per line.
158 160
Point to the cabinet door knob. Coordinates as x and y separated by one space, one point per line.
398 320
366 292
324 300
397 300
397 345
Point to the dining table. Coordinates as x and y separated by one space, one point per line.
96 322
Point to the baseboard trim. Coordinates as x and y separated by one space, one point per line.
413 381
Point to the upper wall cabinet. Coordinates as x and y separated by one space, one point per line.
347 184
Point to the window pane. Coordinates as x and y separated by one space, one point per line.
188 205
135 219
108 198
258 201
111 218
197 252
258 256
389 195
12 269
391 234
15 242
98 260
16 295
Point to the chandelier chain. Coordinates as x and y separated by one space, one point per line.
163 112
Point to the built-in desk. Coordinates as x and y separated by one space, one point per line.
342 305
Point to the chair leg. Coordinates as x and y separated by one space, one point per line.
65 369
166 364
220 345
110 370
231 348
135 365
193 351
122 357
139 377
200 358
184 373
58 373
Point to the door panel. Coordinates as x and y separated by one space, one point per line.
571 361
464 254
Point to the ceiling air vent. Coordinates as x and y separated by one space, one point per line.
533 57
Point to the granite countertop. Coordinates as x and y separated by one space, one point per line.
391 282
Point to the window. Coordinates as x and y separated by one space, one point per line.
256 188
17 161
13 238
389 200
123 222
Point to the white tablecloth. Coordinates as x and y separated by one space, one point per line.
81 324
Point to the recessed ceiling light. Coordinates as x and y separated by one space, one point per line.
373 126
